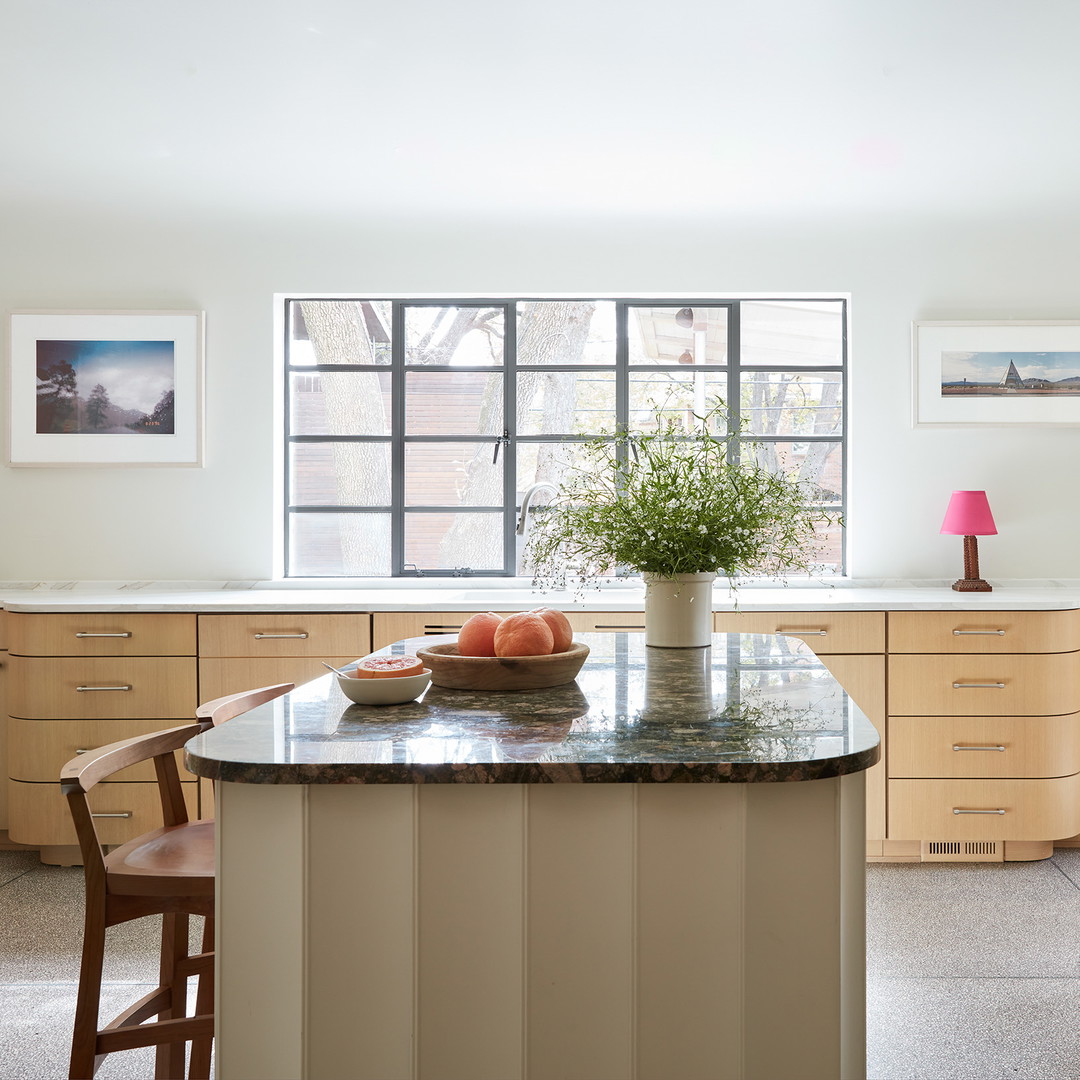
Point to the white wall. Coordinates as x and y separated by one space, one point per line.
917 155
215 522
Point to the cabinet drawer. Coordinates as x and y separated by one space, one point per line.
219 676
967 746
984 631
824 632
1032 685
391 626
301 634
119 634
47 688
38 749
1033 809
40 816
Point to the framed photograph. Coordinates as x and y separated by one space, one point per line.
994 373
106 388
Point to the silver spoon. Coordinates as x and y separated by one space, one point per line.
337 671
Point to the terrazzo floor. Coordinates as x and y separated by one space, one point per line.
973 970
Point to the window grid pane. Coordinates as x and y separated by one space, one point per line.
569 378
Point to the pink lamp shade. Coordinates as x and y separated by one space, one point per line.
969 515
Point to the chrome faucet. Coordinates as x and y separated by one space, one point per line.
523 522
527 502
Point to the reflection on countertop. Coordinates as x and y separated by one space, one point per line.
752 708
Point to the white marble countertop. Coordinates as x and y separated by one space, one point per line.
503 595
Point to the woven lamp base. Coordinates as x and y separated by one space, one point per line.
972 585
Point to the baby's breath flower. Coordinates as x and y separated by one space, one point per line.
676 505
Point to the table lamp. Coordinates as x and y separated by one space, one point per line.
969 516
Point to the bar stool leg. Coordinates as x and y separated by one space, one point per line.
174 948
84 1039
199 1066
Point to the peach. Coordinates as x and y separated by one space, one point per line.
477 634
561 629
523 634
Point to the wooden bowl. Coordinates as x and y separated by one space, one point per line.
456 672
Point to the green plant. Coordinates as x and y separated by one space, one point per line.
669 501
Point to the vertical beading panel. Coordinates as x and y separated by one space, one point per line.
261 927
792 931
470 932
580 887
361 931
690 898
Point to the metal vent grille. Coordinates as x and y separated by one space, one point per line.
963 851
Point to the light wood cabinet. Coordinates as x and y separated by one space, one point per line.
824 632
79 682
300 634
1041 684
36 747
984 631
100 687
114 634
40 816
391 626
984 747
985 810
929 681
983 733
243 651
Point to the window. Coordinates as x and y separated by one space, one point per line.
415 427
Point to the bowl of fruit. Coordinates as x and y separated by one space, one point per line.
385 680
528 650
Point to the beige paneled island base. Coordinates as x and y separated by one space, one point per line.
654 872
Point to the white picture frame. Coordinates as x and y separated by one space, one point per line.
953 369
95 388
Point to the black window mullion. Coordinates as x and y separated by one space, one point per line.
734 381
509 447
397 442
286 549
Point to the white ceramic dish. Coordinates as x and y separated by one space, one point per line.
385 691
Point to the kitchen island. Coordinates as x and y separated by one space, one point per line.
655 871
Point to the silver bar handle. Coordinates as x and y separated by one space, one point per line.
83 633
259 637
957 810
438 628
119 813
807 633
1001 748
612 626
961 633
84 689
978 686
81 750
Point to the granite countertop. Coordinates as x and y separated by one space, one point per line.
750 709
503 594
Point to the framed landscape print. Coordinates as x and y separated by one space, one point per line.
995 373
106 388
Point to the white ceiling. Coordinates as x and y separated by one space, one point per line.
493 107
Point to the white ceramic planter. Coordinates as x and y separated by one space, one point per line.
678 611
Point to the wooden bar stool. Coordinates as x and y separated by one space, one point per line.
167 872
